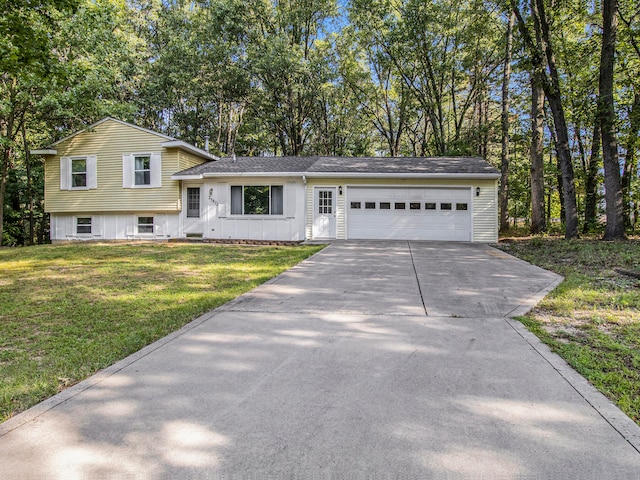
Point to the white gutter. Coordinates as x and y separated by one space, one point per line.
474 176
306 175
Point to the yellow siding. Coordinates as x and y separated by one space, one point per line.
187 160
109 141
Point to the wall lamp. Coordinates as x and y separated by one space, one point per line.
477 191
340 190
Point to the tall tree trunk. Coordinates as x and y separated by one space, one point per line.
591 182
630 162
552 92
613 191
27 160
538 220
551 84
504 170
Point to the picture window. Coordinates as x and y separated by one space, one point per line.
257 200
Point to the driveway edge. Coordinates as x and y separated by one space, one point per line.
615 417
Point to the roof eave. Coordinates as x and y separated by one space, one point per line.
432 176
190 148
43 151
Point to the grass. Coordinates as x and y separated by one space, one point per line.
68 311
592 319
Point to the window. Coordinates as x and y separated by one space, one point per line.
78 172
145 224
193 202
461 206
83 225
385 206
356 205
400 206
325 202
142 169
445 206
370 205
430 206
414 206
257 200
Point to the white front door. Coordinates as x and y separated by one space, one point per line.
324 212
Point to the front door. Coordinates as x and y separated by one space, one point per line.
324 212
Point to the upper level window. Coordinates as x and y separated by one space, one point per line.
142 169
257 200
193 202
78 173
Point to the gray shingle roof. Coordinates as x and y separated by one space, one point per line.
346 165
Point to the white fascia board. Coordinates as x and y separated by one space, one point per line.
434 176
190 148
186 177
44 151
239 174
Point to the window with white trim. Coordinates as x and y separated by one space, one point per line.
142 169
145 224
83 225
79 173
193 202
257 200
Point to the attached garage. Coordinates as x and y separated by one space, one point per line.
409 213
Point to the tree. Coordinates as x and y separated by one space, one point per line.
607 118
542 56
504 171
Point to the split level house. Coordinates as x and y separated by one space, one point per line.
117 181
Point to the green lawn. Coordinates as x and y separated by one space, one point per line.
593 318
68 311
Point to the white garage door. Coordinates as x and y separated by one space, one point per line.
404 213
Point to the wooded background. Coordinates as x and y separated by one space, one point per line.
548 91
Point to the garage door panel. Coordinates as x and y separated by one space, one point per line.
450 220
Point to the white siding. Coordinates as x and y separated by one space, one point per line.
114 226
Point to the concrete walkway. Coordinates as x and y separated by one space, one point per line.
368 360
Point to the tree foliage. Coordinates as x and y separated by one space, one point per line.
363 77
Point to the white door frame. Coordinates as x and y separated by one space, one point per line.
324 216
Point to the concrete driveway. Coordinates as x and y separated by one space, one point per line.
368 360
